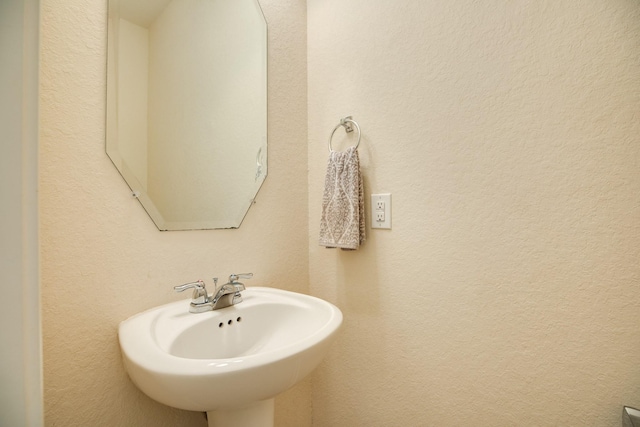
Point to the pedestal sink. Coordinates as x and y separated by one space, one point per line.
231 362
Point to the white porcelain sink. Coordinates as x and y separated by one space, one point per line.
230 362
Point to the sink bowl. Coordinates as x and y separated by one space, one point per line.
230 362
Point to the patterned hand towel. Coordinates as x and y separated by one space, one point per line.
342 224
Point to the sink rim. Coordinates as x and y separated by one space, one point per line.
145 351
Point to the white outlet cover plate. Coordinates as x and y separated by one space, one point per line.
385 198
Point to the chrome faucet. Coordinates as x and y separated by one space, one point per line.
228 294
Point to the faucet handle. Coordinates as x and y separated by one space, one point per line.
199 296
233 279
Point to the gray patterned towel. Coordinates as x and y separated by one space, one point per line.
342 224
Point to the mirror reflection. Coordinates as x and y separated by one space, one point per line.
187 107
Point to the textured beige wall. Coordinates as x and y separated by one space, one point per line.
104 260
508 291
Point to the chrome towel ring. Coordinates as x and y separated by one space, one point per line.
346 122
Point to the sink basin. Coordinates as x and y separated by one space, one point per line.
230 362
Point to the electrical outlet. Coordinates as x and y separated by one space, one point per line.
381 211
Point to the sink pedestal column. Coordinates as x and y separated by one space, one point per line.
259 414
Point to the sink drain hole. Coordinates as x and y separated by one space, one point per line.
220 325
229 322
239 319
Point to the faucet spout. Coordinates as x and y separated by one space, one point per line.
228 294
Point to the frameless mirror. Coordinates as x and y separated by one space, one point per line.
187 107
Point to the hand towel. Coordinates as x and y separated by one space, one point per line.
342 224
